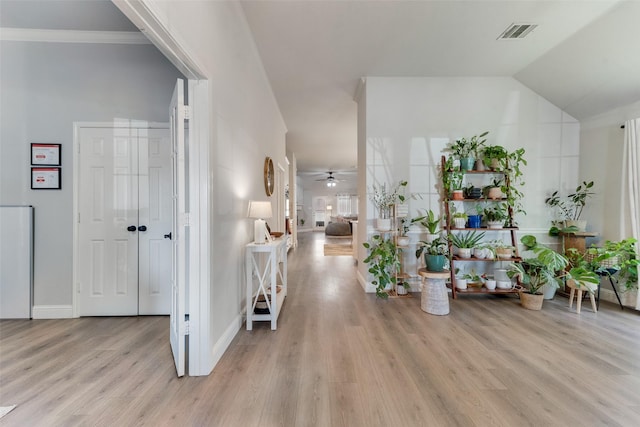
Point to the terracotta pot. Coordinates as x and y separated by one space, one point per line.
494 193
531 301
458 195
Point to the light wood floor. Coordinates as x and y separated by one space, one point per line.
339 358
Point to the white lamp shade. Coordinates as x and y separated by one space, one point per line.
259 209
329 207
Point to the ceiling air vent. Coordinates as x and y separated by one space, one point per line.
517 31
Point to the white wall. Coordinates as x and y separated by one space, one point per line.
45 87
246 127
410 120
602 141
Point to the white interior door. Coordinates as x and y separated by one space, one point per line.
124 213
108 222
155 222
178 303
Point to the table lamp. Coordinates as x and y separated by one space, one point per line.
259 210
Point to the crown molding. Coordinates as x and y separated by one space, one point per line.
72 36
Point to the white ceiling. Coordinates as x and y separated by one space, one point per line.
583 57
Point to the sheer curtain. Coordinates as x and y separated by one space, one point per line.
630 212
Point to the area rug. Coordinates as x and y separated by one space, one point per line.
4 410
338 249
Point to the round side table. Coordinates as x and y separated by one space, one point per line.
435 299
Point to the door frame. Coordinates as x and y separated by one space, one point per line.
77 126
202 354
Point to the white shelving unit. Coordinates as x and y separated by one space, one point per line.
264 264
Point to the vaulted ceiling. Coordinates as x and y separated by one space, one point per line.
582 56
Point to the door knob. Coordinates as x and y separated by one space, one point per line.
142 228
168 236
131 228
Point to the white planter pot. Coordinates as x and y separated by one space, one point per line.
400 290
383 224
501 274
482 253
581 224
503 284
403 240
461 283
464 252
459 222
431 237
549 291
495 224
490 284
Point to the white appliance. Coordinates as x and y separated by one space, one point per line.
16 261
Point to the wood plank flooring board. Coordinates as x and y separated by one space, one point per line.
340 357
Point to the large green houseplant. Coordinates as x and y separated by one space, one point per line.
383 261
546 266
568 210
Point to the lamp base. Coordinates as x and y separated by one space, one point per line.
259 232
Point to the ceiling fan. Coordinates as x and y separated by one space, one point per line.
331 180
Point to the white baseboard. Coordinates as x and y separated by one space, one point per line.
225 340
366 286
610 296
52 312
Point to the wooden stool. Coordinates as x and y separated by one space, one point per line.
571 284
435 299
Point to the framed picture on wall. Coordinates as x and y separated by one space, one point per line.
45 179
45 154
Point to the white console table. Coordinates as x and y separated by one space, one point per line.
264 264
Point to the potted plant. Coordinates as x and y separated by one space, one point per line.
383 200
492 154
466 241
431 222
435 253
383 261
546 266
451 179
494 190
569 209
465 149
459 219
510 165
503 249
619 258
485 250
496 215
475 216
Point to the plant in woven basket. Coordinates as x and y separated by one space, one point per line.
547 266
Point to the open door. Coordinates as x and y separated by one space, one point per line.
178 324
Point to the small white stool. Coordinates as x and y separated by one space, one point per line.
571 284
435 299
